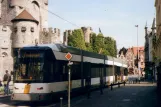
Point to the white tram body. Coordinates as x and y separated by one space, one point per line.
38 85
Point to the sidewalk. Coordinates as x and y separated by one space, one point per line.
3 96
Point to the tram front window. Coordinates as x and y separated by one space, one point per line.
30 70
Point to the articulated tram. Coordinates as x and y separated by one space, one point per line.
42 72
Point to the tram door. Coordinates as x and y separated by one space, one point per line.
87 74
101 74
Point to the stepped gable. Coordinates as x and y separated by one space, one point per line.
25 16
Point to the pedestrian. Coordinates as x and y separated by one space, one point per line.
101 86
1 86
88 87
0 83
6 80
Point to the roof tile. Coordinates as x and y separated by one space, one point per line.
25 16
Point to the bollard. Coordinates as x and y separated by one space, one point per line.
61 103
118 85
111 87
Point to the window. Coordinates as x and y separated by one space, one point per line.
11 2
20 7
54 30
4 54
46 2
4 28
15 29
23 29
32 29
35 5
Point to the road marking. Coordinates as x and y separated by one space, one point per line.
52 105
77 102
126 100
133 93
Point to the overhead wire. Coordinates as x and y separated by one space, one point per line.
57 15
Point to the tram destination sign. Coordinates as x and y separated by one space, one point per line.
68 56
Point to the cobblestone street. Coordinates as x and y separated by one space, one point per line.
131 95
134 95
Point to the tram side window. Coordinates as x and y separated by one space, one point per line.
95 72
109 71
60 71
76 71
47 71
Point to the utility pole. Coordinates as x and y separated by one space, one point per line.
138 51
68 56
69 84
113 70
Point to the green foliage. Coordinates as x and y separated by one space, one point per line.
89 47
98 43
76 39
110 46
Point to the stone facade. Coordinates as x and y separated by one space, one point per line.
65 37
146 44
87 31
22 23
6 60
50 36
158 31
7 13
149 49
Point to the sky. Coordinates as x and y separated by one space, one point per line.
115 18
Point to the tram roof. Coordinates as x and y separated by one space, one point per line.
73 50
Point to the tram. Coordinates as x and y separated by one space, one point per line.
42 72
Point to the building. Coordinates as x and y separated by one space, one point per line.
149 49
50 35
87 31
25 30
131 56
65 37
6 59
158 33
23 22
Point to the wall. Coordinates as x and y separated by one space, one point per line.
37 8
65 36
6 60
87 33
50 36
27 37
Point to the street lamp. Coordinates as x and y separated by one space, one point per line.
137 51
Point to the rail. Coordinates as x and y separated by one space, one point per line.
114 84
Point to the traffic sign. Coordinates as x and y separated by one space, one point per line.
68 56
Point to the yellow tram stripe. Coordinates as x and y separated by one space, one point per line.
27 89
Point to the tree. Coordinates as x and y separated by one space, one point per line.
110 46
76 39
98 46
92 41
89 47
